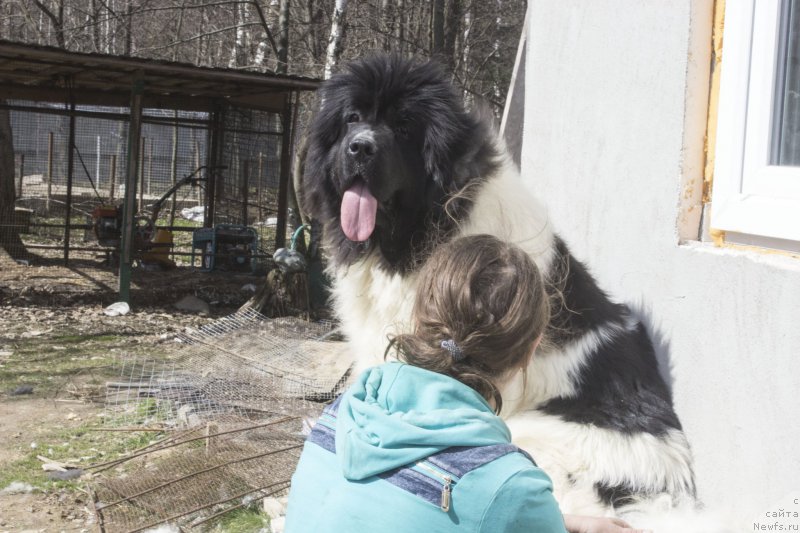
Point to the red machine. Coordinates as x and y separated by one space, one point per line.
153 244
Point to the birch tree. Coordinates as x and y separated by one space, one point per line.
237 49
335 40
476 40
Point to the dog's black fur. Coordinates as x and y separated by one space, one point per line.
621 387
427 150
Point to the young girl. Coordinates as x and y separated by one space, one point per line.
416 445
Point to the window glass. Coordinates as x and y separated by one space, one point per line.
786 136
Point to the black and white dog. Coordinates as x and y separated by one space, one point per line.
395 165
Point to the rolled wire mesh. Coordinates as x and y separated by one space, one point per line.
233 403
199 475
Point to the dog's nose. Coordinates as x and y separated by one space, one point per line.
361 147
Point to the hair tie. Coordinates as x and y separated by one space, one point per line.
455 352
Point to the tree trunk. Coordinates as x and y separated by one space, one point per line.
56 19
10 240
335 41
283 38
312 42
401 26
128 28
237 49
465 45
201 50
95 18
109 37
178 31
386 25
451 33
437 29
62 42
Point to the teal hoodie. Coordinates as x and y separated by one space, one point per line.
384 460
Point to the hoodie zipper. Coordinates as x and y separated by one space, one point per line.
447 480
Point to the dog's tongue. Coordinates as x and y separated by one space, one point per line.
359 208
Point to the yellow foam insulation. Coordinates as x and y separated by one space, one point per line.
759 249
718 236
713 98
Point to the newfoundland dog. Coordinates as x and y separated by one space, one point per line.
396 166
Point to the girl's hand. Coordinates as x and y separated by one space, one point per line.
592 524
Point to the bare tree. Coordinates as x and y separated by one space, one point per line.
401 26
56 16
437 28
335 40
452 29
475 40
237 49
283 38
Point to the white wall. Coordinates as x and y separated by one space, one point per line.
614 122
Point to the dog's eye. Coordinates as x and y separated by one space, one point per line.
353 117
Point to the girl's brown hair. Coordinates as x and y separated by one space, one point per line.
479 308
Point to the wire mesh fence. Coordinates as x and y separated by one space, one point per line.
243 367
69 175
252 154
233 402
198 476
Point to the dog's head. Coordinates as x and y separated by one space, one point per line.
390 143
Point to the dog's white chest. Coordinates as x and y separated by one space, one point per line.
372 306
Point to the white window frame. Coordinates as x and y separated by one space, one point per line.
749 195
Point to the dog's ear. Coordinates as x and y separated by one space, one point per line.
446 128
459 146
327 124
437 151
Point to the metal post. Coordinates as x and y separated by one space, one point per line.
140 156
197 195
129 203
149 166
21 172
70 165
260 185
112 177
49 171
283 187
173 169
212 156
97 165
245 170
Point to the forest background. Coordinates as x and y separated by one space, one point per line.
475 40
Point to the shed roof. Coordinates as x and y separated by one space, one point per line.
52 74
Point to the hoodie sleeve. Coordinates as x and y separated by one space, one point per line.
523 504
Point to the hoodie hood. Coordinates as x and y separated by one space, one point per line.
396 414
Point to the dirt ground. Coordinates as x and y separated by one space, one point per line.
57 349
27 421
